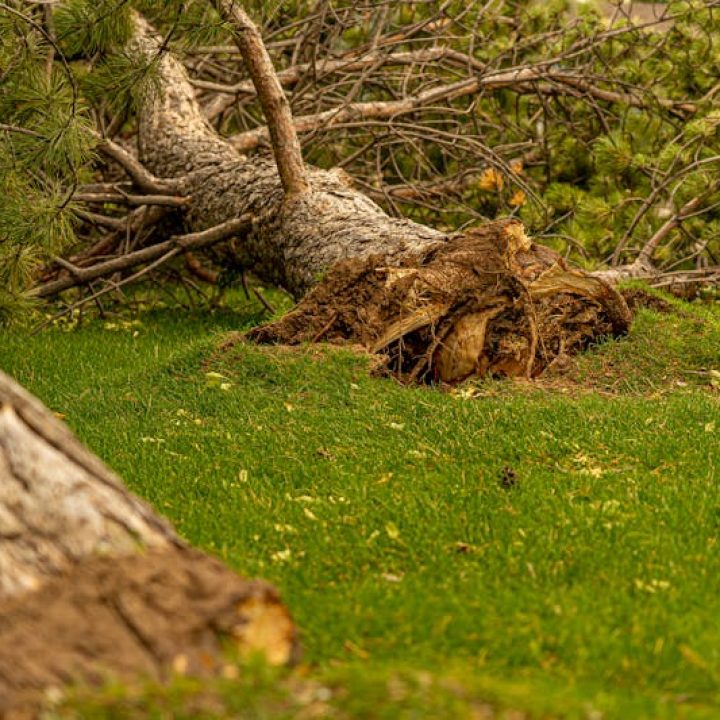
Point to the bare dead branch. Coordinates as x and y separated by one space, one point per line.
103 220
521 80
121 198
145 180
263 301
199 270
326 67
653 243
171 247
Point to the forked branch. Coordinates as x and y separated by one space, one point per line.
145 180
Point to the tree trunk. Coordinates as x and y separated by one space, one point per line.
93 584
437 306
293 241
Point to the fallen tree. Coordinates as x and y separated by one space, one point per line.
94 585
297 226
436 110
438 306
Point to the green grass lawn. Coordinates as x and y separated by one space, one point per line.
549 549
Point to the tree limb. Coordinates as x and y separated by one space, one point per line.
285 144
145 180
292 75
525 80
120 198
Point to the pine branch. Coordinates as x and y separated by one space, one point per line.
283 137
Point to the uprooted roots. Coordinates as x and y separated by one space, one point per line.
489 302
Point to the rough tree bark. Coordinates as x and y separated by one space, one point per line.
293 240
93 584
438 306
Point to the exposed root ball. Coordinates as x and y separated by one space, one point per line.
489 302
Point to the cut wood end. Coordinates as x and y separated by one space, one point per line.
266 628
557 279
139 615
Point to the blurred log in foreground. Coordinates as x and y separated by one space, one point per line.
94 585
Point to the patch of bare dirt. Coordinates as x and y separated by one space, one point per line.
489 302
143 615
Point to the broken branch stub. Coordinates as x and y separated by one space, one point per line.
94 585
488 302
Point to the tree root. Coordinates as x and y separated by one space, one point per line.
490 302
